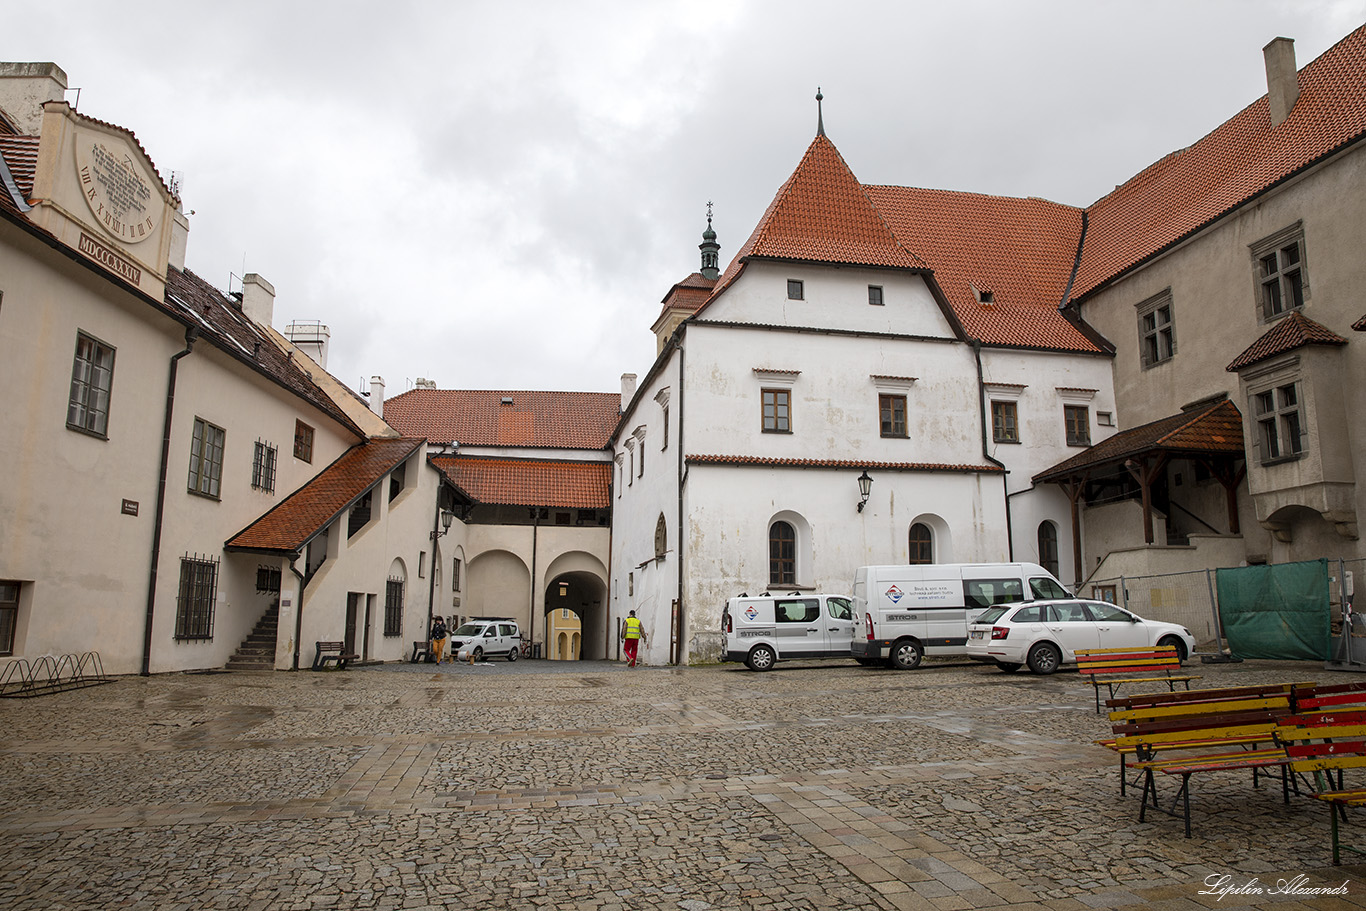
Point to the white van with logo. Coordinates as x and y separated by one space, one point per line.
908 612
761 631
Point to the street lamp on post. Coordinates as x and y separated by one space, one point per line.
865 486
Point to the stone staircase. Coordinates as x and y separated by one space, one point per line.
257 651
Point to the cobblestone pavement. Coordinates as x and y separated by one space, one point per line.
539 785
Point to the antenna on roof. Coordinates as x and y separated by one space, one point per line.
820 119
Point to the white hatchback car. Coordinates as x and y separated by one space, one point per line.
1047 634
482 638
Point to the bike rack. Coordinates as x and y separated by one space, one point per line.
46 674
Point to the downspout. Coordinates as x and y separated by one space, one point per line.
1005 479
431 576
531 613
191 333
298 608
677 631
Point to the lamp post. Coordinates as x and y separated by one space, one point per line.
446 518
865 486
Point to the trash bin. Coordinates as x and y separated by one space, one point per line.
535 649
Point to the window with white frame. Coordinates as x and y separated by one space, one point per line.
92 380
1282 279
1156 329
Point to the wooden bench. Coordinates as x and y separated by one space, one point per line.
331 652
1114 667
1169 705
1215 735
1319 744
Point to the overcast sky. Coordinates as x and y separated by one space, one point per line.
498 195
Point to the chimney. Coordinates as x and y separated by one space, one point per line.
258 299
1282 82
628 390
180 239
311 337
24 88
377 395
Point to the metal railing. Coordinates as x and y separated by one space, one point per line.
45 674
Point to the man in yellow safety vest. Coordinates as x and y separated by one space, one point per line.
632 634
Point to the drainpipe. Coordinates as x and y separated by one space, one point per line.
1005 480
191 333
682 477
531 612
431 576
298 608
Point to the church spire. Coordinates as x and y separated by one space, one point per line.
820 120
710 250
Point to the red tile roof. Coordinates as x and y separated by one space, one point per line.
1289 332
478 417
1021 250
835 463
21 155
305 512
689 294
528 482
1216 428
1360 325
1190 188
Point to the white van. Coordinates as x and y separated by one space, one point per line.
760 631
908 612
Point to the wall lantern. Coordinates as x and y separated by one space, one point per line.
564 589
446 518
865 486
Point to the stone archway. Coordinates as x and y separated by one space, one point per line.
576 605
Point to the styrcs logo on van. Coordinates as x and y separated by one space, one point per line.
750 613
894 593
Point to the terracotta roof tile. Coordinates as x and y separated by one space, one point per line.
1192 187
1216 428
1360 325
295 519
527 482
21 156
835 463
478 417
224 325
1289 332
1021 250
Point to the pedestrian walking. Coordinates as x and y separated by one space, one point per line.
438 639
632 634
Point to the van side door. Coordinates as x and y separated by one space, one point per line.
839 626
979 594
799 631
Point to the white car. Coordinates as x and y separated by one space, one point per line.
481 638
1047 634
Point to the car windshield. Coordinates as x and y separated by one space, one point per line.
990 615
469 629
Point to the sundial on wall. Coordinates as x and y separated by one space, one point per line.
121 194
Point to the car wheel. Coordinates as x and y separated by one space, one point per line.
1044 658
1176 644
478 654
512 653
906 655
761 658
1009 667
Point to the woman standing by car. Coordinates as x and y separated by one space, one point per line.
438 639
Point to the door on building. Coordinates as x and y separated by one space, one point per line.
352 612
370 601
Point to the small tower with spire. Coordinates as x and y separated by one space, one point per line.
711 250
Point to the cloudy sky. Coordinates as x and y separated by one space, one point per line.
498 195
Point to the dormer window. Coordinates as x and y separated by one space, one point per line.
796 289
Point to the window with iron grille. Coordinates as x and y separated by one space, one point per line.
303 441
206 458
92 379
195 603
892 415
263 467
1279 431
455 575
393 607
782 554
1282 280
9 615
267 580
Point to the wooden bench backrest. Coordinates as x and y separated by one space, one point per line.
1324 740
1261 730
1126 660
1313 698
1144 700
1209 710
